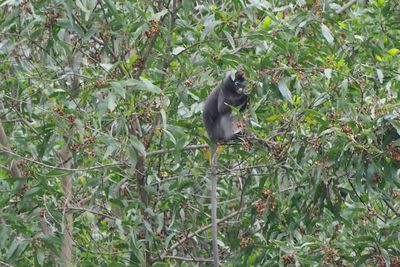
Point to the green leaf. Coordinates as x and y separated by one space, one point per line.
118 88
209 27
178 50
142 84
393 51
111 102
159 15
133 156
40 257
326 33
138 145
328 73
379 73
320 99
88 218
4 233
282 86
380 2
163 118
396 125
274 117
267 23
230 39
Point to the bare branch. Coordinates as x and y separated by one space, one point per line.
62 168
391 207
5 147
66 246
188 259
94 212
346 6
171 150
2 263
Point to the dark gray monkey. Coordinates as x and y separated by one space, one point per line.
220 123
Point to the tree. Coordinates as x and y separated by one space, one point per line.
104 157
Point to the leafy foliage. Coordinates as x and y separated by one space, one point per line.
122 84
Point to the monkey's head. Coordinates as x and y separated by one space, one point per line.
238 80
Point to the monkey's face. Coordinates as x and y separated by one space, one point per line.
236 82
240 82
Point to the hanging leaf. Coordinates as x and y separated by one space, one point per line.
209 27
178 50
393 51
230 39
326 33
133 156
111 102
142 84
379 73
328 73
285 90
138 145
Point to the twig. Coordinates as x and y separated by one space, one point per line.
4 143
188 259
2 263
169 150
94 212
346 6
390 206
2 148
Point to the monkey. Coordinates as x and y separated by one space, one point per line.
221 126
219 122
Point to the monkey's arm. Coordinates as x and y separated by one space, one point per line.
224 103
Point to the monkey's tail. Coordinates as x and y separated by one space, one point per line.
214 219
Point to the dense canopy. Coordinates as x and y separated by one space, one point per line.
104 158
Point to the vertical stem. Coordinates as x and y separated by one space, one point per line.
15 171
214 219
66 247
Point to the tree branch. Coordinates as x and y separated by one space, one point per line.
66 246
5 147
94 212
390 206
62 168
346 6
188 259
170 150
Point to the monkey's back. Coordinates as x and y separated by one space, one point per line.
210 115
